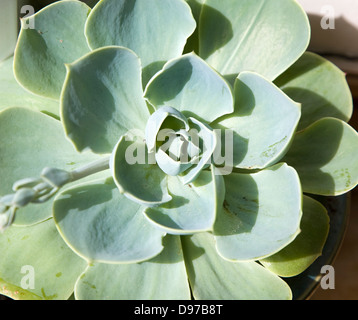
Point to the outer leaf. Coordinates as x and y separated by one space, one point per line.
37 251
211 277
156 30
254 221
307 247
164 278
261 36
189 85
91 3
102 99
31 141
325 156
137 177
263 123
319 86
14 95
193 41
193 207
42 51
102 225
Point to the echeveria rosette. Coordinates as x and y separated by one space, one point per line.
182 220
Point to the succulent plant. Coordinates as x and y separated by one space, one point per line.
167 149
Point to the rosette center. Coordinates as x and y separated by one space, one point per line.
181 145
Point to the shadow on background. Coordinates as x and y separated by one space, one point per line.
333 41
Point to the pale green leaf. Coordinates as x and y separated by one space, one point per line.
156 30
35 263
102 225
319 86
213 278
31 141
263 123
102 99
325 155
261 36
191 86
12 94
155 123
162 278
308 245
255 222
169 165
192 43
57 38
193 207
209 142
136 174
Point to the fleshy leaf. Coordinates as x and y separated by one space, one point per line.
102 98
156 121
192 43
39 252
303 251
14 95
102 225
319 86
169 165
263 123
162 278
325 155
261 36
193 207
155 30
213 278
136 175
31 141
191 86
254 221
209 141
57 38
